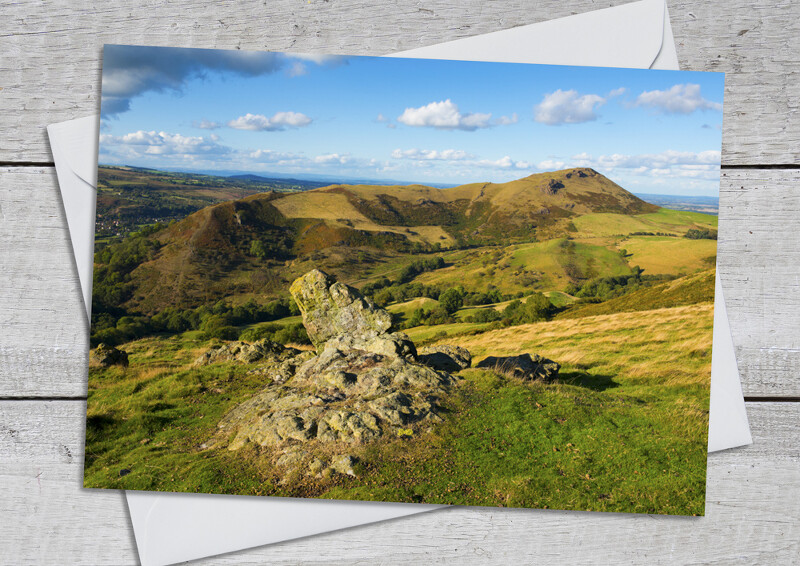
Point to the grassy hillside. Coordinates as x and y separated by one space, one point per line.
623 428
689 290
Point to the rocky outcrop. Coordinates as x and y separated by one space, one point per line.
553 186
246 353
524 366
362 382
331 309
106 356
445 357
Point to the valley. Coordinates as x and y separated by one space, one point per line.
565 264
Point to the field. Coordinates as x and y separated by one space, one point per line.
623 429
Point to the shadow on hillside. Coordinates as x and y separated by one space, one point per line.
581 378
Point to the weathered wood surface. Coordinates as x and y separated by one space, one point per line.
50 51
44 348
751 516
49 71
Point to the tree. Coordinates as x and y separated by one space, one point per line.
257 249
452 300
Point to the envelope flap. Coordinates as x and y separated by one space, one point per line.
76 145
623 36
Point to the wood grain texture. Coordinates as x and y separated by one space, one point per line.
44 351
751 512
50 51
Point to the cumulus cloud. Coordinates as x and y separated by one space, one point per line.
206 125
151 143
329 158
504 162
462 160
129 71
444 115
320 58
567 107
550 165
617 92
507 120
679 99
431 154
278 121
670 163
298 69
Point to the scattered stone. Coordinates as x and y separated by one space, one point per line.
344 465
524 366
316 466
289 459
445 357
106 356
246 353
124 472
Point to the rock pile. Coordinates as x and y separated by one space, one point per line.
362 382
246 353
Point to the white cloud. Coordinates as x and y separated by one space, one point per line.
206 124
298 69
507 120
278 121
443 115
431 154
670 163
143 143
679 99
503 163
617 92
329 158
567 107
550 165
319 58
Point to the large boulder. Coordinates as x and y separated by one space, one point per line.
106 356
362 382
352 396
445 357
331 309
524 366
246 353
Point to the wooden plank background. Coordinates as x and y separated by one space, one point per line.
49 72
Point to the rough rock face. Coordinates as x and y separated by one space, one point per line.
524 366
105 356
362 383
553 186
246 353
331 309
351 396
445 357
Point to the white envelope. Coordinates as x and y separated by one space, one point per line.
172 527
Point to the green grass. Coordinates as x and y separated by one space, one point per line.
623 429
665 220
665 255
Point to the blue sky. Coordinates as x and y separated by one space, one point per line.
408 119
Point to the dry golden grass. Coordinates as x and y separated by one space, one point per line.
662 346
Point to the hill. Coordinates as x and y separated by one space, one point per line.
254 245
